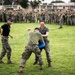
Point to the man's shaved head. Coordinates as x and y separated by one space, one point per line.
42 24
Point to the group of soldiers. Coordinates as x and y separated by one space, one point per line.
16 15
57 16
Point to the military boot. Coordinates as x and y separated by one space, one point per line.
60 28
1 61
41 67
49 64
35 63
20 70
9 62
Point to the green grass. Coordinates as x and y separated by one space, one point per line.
62 45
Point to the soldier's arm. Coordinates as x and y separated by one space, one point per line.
46 35
10 36
41 38
1 33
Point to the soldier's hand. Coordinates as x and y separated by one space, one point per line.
11 36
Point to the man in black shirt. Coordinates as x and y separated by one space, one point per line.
4 31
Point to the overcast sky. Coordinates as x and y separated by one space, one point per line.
48 1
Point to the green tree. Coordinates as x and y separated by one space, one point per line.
72 0
35 3
25 3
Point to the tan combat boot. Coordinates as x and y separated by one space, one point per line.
20 70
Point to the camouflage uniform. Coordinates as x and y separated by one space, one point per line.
5 45
32 47
61 21
5 48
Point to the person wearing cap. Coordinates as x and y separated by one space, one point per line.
45 32
5 33
32 47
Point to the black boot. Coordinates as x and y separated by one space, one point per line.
60 28
41 67
9 61
35 63
49 64
1 61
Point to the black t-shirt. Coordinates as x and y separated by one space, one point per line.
6 29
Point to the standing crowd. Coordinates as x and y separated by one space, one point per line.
57 16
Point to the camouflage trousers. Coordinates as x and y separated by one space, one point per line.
47 51
61 23
27 53
5 48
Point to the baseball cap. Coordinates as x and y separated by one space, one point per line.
10 19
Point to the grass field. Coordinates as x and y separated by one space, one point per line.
62 45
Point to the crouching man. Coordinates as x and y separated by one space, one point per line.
32 46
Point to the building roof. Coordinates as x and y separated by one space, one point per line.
57 1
